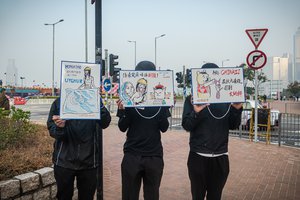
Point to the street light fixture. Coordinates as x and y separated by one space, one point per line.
53 26
224 61
133 41
22 78
155 46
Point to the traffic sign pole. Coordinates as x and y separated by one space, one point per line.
256 60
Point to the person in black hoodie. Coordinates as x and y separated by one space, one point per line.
143 151
208 163
76 152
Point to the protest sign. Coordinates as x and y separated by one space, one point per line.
218 85
80 98
146 88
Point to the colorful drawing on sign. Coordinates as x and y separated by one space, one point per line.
217 85
80 97
146 88
88 80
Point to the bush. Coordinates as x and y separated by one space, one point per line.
24 146
14 127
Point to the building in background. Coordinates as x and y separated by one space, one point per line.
278 72
296 60
11 75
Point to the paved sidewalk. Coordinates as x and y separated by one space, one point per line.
257 170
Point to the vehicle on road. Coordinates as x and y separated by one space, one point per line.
246 114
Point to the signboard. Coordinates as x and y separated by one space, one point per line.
218 85
146 88
107 84
256 59
256 36
80 83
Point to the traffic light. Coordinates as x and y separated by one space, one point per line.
116 75
103 68
112 63
179 77
188 77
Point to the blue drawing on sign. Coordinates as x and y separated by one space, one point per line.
81 101
126 93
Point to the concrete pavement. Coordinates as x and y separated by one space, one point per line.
257 170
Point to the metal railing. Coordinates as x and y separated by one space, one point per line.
285 132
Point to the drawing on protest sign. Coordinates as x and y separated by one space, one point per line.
146 88
217 85
80 83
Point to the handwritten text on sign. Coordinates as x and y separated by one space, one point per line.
146 88
218 85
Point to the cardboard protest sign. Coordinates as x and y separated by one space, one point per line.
146 88
80 83
218 85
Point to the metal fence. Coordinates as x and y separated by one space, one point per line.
285 132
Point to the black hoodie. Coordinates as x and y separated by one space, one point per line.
77 144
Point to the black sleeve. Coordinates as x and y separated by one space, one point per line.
189 117
124 119
163 119
105 118
55 131
235 118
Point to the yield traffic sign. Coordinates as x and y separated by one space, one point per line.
256 36
256 59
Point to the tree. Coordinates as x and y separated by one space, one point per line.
294 88
249 75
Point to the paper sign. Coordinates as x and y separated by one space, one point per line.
219 85
80 83
146 88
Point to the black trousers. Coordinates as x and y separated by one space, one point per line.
208 176
86 183
136 169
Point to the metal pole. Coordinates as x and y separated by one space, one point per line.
98 59
53 60
155 48
134 50
184 85
53 28
134 53
155 51
256 114
86 36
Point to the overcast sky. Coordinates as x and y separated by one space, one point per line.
196 31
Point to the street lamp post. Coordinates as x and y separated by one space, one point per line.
155 46
53 26
22 78
224 61
134 50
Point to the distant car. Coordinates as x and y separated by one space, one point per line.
19 101
246 114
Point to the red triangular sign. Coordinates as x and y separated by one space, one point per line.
256 35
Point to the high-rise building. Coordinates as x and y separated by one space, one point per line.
11 73
277 72
296 60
